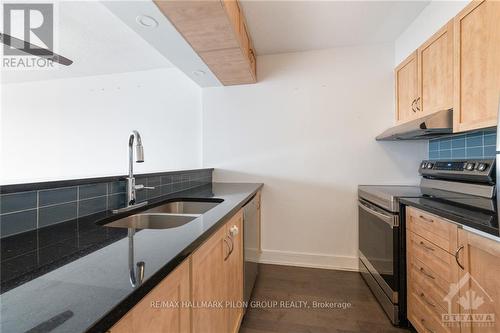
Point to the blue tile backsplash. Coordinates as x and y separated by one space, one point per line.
475 145
37 208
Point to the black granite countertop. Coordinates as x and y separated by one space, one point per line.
74 276
467 215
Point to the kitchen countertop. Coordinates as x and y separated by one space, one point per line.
80 281
478 221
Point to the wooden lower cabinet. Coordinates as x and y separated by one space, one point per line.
146 318
431 269
208 286
480 292
217 274
234 272
453 277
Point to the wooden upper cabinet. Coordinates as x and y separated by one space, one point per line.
217 31
435 72
144 318
406 89
480 258
477 66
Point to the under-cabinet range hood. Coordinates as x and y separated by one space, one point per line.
427 127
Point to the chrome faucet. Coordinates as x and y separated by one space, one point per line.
131 187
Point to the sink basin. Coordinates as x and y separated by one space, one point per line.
152 221
184 207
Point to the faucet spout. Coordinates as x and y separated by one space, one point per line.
131 187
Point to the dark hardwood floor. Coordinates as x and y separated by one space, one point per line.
285 283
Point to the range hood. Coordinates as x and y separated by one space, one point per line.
427 127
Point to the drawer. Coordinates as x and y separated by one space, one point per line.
431 296
422 318
418 271
433 228
420 283
438 260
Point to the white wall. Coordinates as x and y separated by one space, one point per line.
78 128
307 131
429 21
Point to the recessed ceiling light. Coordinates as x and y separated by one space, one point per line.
199 72
146 21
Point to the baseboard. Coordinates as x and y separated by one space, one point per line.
311 260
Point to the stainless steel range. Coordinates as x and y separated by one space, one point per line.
459 185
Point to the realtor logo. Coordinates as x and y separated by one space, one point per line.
470 300
31 26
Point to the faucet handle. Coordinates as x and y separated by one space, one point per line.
142 187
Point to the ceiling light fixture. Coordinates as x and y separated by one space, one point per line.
146 21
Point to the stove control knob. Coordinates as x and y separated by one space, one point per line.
481 166
423 165
470 166
430 165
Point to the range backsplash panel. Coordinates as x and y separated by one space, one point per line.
39 205
474 145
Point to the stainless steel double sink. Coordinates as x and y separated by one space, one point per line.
169 215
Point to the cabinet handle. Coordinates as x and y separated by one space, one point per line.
422 296
426 328
416 103
422 270
425 246
413 106
229 249
457 254
426 219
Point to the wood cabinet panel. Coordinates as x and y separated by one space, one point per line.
435 72
234 271
406 89
477 66
209 285
217 32
481 260
145 318
230 64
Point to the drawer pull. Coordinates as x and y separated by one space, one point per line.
426 247
422 296
422 270
426 328
457 253
426 219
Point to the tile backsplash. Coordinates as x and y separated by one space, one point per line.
475 145
38 208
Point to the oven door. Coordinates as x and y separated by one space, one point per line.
378 246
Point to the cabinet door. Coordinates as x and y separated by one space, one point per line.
435 72
479 292
406 89
172 318
209 288
477 66
234 272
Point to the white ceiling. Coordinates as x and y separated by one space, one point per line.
98 43
291 26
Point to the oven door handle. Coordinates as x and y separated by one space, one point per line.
389 219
